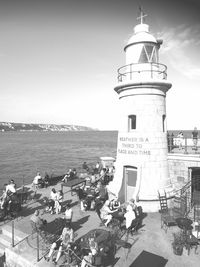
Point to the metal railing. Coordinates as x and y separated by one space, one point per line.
148 70
182 145
38 241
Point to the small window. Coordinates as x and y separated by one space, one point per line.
132 122
163 122
143 56
148 54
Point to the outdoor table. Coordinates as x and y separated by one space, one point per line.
118 215
22 194
184 224
73 184
191 241
167 221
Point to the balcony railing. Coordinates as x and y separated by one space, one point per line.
145 70
182 145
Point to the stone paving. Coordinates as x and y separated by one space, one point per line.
150 238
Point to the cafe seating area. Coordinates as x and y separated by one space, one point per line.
185 225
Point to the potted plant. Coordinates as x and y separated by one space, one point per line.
178 243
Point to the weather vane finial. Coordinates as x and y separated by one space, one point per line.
142 15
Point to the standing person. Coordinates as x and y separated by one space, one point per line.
53 197
35 183
180 137
195 137
58 202
35 218
68 214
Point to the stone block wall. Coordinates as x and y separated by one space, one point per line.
178 168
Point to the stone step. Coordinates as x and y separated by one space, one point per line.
7 231
5 240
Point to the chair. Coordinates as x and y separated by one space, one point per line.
168 217
191 242
163 202
196 230
132 229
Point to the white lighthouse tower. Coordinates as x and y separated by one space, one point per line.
141 165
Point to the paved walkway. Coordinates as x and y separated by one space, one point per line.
150 238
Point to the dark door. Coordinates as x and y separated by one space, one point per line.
195 184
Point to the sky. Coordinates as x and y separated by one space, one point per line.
59 59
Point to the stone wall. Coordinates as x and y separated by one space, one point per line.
178 168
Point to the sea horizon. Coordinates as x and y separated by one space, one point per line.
23 154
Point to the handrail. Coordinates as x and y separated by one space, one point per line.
183 193
154 69
26 238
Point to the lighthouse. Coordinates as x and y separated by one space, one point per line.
141 163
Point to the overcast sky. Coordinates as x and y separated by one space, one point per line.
59 59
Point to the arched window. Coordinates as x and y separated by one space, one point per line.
163 122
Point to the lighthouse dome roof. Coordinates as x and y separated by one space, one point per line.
141 34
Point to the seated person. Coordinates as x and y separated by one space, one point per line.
46 180
93 179
69 176
87 182
114 204
87 260
11 188
105 213
132 204
85 166
196 229
64 242
101 192
66 178
89 197
40 223
102 172
93 250
129 216
72 174
117 212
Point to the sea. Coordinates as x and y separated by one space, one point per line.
23 154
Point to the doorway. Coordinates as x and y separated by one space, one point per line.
130 180
195 179
195 184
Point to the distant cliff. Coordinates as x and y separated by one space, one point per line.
10 126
